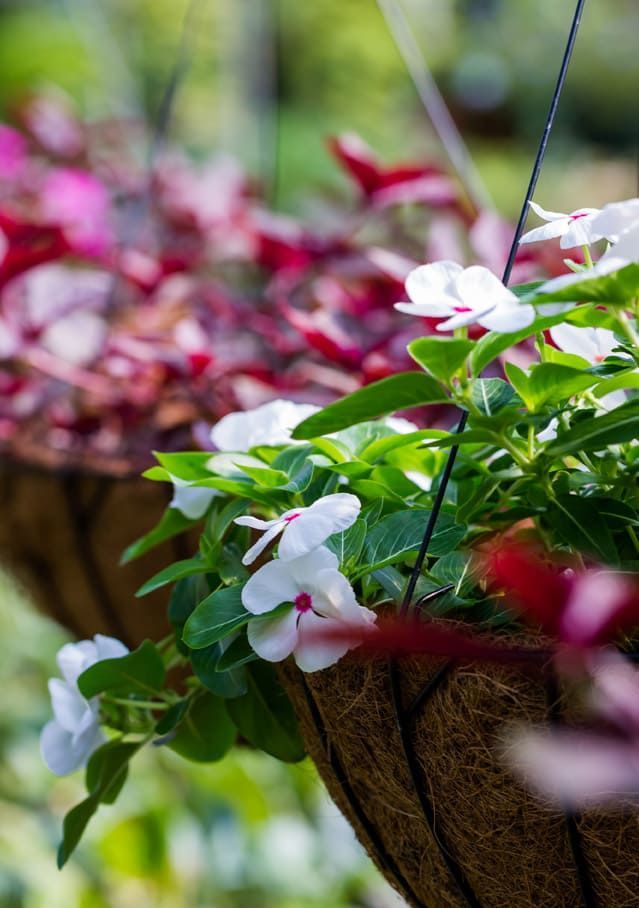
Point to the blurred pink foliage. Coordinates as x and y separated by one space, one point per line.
136 304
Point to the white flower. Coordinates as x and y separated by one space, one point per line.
575 229
614 220
465 295
270 424
69 739
191 500
320 597
592 344
303 529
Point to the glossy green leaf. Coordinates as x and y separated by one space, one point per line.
396 537
577 521
615 427
105 775
265 717
172 523
399 392
617 288
226 684
216 617
174 572
206 733
349 544
491 345
141 671
492 394
441 357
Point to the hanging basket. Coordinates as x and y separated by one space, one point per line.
64 528
410 753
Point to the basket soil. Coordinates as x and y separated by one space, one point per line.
430 799
63 532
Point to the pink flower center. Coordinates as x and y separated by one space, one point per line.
462 308
599 358
578 217
291 518
303 602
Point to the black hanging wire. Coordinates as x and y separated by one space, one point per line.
406 717
536 171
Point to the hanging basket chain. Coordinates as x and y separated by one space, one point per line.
532 185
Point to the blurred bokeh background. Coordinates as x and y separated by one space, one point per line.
267 81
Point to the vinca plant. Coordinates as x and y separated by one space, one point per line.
310 521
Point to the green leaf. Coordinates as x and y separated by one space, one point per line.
216 617
349 544
206 733
618 288
172 523
551 382
615 427
141 671
383 446
492 394
625 380
172 717
391 581
399 392
460 569
577 522
226 684
177 571
396 537
105 775
440 356
265 717
237 654
491 345
189 465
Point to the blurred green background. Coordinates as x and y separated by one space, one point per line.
268 81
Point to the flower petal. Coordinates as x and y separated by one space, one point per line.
547 232
69 706
315 649
271 585
192 501
548 215
61 753
431 281
274 639
256 550
328 515
432 309
109 647
506 318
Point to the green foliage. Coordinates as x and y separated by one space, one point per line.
206 733
140 672
399 392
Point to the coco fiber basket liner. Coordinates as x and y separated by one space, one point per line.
62 533
409 752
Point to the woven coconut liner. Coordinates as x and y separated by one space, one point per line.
62 533
475 837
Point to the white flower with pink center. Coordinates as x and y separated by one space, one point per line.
575 229
303 529
320 598
465 296
269 424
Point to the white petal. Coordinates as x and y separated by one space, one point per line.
463 318
192 501
313 651
74 658
255 523
305 568
271 585
478 288
69 706
109 647
624 251
579 233
431 281
269 424
256 550
436 307
615 219
274 639
400 426
334 597
328 515
61 753
548 215
547 232
506 318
